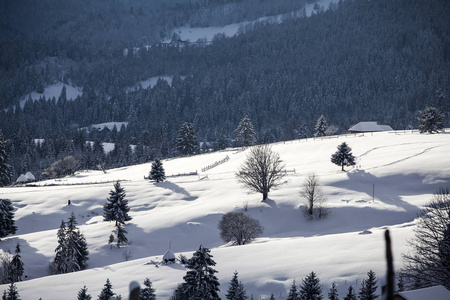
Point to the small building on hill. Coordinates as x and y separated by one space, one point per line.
362 127
169 257
437 292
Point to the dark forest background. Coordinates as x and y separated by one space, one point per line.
360 60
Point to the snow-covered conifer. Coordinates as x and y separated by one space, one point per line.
200 281
293 292
116 206
320 127
7 224
310 289
245 133
121 236
187 142
16 266
351 294
147 293
11 293
431 120
369 287
5 168
333 294
343 156
106 292
83 294
236 289
157 172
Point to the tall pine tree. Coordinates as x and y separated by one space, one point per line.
351 294
83 294
200 281
320 127
7 224
11 293
293 292
16 266
5 168
116 206
369 287
106 292
157 172
245 133
333 294
236 289
148 292
187 142
310 288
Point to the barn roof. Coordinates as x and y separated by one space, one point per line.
437 292
369 127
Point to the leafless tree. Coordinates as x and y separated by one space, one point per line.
63 167
429 262
239 228
312 193
262 170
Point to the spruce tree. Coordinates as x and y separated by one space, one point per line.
7 224
5 168
293 292
369 287
157 172
245 133
11 293
236 289
351 294
320 127
187 142
147 293
121 236
200 281
106 292
431 120
310 288
83 295
16 266
116 206
343 156
59 262
333 294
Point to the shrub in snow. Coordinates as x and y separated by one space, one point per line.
63 167
262 170
239 228
312 193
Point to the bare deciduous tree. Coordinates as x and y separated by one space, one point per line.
429 262
312 193
239 228
262 171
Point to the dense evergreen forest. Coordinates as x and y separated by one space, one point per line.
360 60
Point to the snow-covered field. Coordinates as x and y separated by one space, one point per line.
54 90
404 169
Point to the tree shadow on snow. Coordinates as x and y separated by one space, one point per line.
176 189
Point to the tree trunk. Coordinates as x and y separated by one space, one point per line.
265 195
342 166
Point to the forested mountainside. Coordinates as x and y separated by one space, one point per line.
360 60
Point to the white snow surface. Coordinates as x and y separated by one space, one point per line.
404 169
54 90
149 83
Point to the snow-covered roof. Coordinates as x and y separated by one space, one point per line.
437 292
22 178
169 255
369 127
30 176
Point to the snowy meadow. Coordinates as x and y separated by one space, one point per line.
395 174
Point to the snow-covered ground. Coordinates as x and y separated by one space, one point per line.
404 169
54 90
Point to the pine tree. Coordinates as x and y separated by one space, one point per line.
310 288
187 142
116 206
16 266
431 120
293 292
272 297
245 133
343 156
321 126
200 281
147 293
111 239
351 294
236 289
11 293
368 287
71 253
83 295
333 294
157 172
121 236
5 169
106 292
7 224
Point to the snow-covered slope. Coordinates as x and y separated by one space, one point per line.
404 169
54 90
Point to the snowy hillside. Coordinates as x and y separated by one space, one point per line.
404 169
